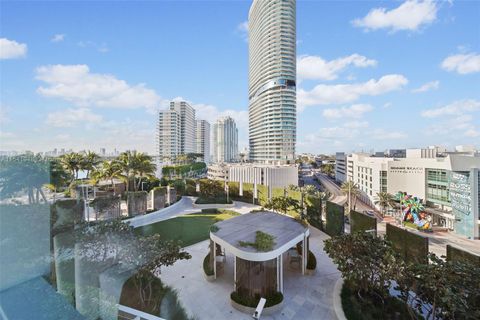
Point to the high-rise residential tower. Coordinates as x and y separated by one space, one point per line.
168 135
187 126
203 139
225 140
272 81
176 131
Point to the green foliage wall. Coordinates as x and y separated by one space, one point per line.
262 192
190 187
65 214
411 246
335 220
360 222
457 254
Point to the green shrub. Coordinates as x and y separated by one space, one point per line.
263 242
360 222
207 268
413 247
248 301
457 254
335 224
214 200
211 210
311 261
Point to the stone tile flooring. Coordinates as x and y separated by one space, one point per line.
305 297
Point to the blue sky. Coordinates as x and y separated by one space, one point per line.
371 75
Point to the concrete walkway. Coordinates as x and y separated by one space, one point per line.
184 206
305 297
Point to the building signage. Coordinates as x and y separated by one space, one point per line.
406 169
461 193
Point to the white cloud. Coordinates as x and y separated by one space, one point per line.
410 15
456 117
10 49
242 30
454 108
472 133
462 63
76 84
102 47
344 93
356 124
354 111
72 117
58 37
314 67
382 134
6 135
432 85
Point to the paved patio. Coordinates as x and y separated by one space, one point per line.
305 297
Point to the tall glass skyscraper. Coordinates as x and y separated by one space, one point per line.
272 81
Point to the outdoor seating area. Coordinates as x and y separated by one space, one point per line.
258 242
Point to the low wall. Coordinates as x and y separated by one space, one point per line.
214 205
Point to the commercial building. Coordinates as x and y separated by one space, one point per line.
448 183
340 166
274 176
225 140
203 139
272 81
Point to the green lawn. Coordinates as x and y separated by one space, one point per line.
189 229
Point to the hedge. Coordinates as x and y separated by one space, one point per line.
457 254
335 224
360 222
411 246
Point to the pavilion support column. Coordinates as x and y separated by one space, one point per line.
214 253
304 247
281 273
278 273
234 273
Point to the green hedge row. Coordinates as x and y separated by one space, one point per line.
411 246
457 254
335 219
360 222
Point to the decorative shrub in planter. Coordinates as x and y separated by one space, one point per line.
311 263
208 269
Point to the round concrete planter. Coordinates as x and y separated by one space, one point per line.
337 300
251 310
310 272
209 278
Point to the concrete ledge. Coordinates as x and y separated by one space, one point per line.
209 278
251 310
337 300
214 205
310 272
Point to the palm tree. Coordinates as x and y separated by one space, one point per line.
72 162
144 167
90 161
109 170
385 200
350 188
24 174
135 164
